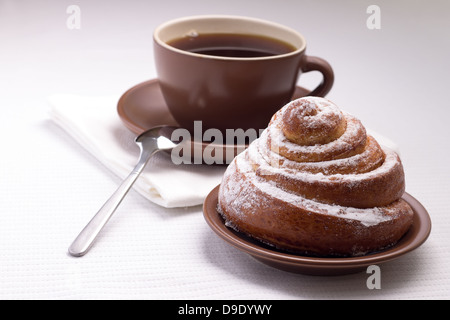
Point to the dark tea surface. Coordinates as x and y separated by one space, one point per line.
232 45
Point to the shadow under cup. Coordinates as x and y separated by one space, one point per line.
225 92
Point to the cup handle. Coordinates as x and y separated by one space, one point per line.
311 63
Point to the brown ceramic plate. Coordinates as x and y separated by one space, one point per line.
143 107
415 237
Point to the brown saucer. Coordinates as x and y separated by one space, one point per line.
415 237
143 107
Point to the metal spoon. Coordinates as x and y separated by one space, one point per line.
149 142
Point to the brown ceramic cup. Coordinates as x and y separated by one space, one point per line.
231 92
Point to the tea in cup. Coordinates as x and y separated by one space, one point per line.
231 72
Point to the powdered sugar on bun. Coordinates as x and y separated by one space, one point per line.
315 182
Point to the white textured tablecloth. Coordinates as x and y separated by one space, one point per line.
51 186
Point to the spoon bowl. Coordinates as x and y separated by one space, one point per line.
159 136
150 142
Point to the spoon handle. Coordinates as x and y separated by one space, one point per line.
84 241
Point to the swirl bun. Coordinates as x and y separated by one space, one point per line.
316 183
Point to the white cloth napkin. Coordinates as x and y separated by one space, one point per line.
95 124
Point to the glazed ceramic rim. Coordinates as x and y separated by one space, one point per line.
177 28
414 238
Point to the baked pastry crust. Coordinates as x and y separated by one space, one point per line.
315 183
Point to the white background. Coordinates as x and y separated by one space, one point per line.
394 79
